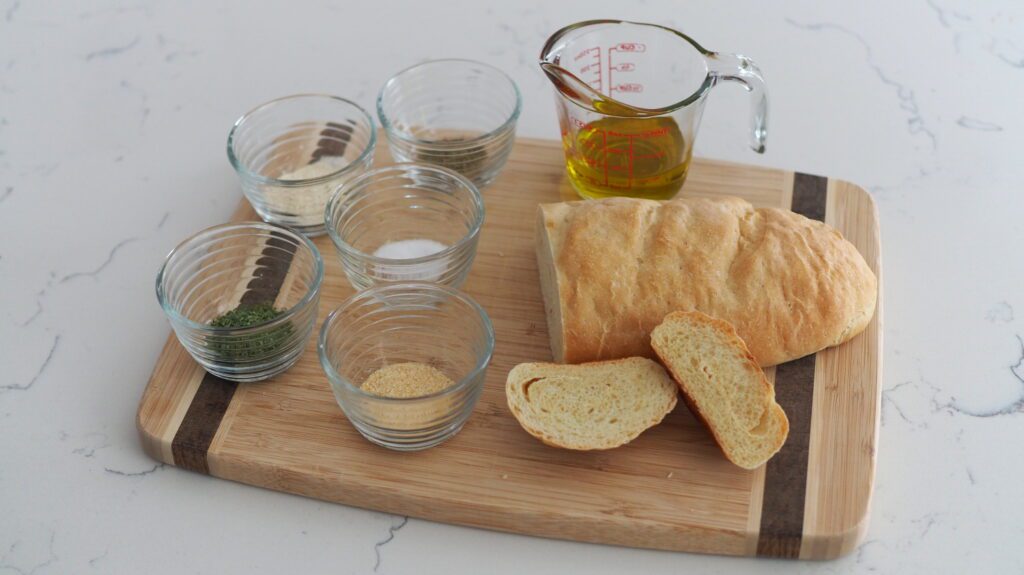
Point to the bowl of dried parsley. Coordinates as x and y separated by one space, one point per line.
242 298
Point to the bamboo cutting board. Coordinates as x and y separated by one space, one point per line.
669 489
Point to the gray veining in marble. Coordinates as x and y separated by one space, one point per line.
395 527
908 101
112 50
113 121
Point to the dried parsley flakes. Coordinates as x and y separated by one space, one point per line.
246 347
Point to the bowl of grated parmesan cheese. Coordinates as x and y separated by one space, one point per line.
292 153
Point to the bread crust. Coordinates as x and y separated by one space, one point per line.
789 285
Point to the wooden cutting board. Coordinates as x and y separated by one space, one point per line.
669 489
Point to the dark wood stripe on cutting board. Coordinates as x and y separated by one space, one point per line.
809 195
199 426
785 481
201 422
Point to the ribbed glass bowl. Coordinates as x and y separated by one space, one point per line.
240 265
373 219
291 153
401 323
459 114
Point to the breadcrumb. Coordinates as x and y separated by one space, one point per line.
406 380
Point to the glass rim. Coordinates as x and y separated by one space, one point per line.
391 131
244 171
551 43
183 246
342 192
371 293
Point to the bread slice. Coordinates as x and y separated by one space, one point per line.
723 385
597 405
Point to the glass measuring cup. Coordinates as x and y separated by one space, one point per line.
630 98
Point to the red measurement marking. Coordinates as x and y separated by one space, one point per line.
596 154
631 158
631 47
593 68
654 133
631 87
597 182
604 135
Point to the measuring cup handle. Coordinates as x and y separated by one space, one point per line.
736 68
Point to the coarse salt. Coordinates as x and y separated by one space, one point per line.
407 250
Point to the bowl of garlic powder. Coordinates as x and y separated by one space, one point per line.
292 153
407 362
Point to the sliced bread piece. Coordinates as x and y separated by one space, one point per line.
597 405
723 385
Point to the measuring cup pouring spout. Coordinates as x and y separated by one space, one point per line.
630 97
569 86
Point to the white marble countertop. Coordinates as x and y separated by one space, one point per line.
113 119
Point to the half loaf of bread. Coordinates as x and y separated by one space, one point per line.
723 386
597 405
612 269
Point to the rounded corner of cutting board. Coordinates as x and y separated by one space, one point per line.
854 188
168 392
836 543
859 194
153 442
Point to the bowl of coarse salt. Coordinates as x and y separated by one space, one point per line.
292 153
406 222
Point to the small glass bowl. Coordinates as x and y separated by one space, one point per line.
459 114
406 222
242 264
400 323
291 153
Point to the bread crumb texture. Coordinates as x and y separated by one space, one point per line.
599 405
406 380
723 386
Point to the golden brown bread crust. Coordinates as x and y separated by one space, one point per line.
789 285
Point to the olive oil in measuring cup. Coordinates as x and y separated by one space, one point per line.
633 157
630 98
